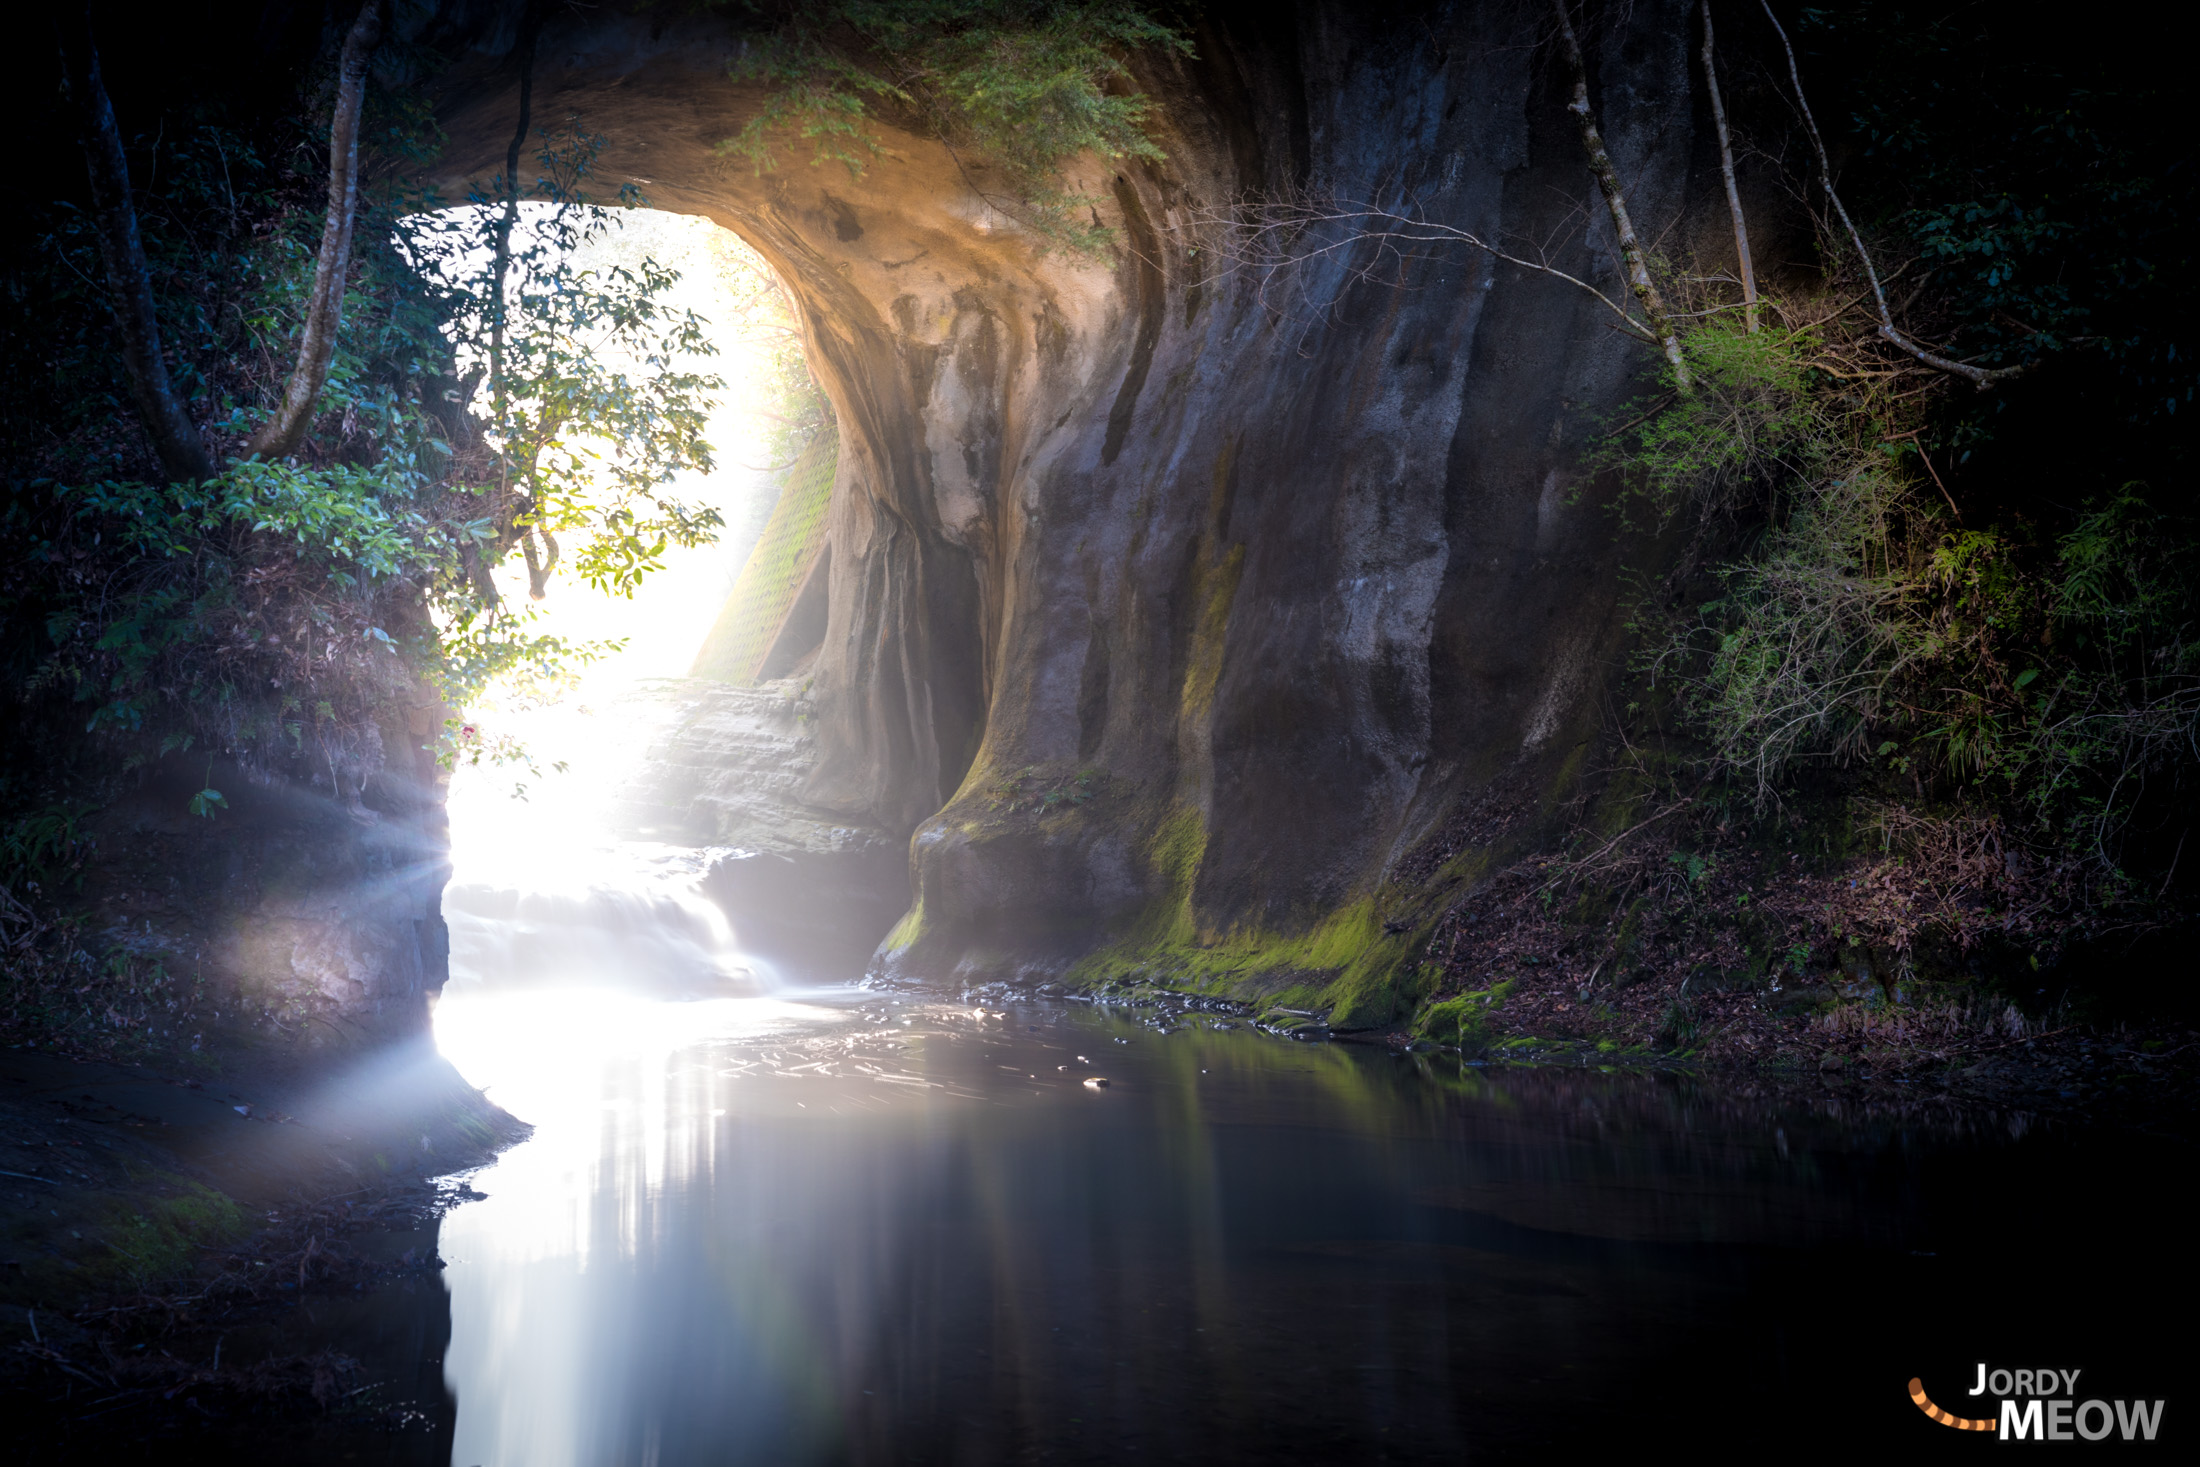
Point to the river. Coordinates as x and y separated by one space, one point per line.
833 1225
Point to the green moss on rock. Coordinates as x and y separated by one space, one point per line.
1353 964
1463 1020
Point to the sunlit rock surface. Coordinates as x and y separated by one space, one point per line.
1301 584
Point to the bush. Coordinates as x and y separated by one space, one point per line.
278 611
2046 686
1023 85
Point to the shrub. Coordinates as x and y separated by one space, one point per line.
2047 684
1022 84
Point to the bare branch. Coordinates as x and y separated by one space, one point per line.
1615 198
176 439
1979 377
1726 171
282 432
1927 459
1269 236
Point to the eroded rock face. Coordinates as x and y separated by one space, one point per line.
1177 615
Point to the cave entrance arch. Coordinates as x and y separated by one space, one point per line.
1157 625
949 341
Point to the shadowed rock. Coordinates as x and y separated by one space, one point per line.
1286 584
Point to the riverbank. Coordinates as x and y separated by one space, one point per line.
1802 1037
160 1227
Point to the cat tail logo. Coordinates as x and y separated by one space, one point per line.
2029 1414
1945 1418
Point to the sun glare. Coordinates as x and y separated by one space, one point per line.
529 1049
545 899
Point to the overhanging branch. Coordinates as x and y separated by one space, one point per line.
1979 377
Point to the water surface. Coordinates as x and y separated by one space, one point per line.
848 1226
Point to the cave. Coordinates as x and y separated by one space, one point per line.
1288 573
1335 832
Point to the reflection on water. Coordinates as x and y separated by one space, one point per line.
856 1227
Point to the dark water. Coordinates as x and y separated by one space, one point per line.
866 1228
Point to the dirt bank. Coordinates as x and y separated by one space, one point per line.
175 1243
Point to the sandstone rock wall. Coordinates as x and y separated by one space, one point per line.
1184 620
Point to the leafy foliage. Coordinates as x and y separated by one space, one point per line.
41 847
592 414
280 610
1745 427
2047 188
1022 84
2121 704
2052 680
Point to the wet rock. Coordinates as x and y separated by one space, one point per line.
725 767
1294 1023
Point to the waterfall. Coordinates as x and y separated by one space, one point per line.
627 916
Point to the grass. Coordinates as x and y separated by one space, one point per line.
158 1240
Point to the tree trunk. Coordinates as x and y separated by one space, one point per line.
176 440
539 564
282 432
1726 171
1600 163
502 264
538 570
